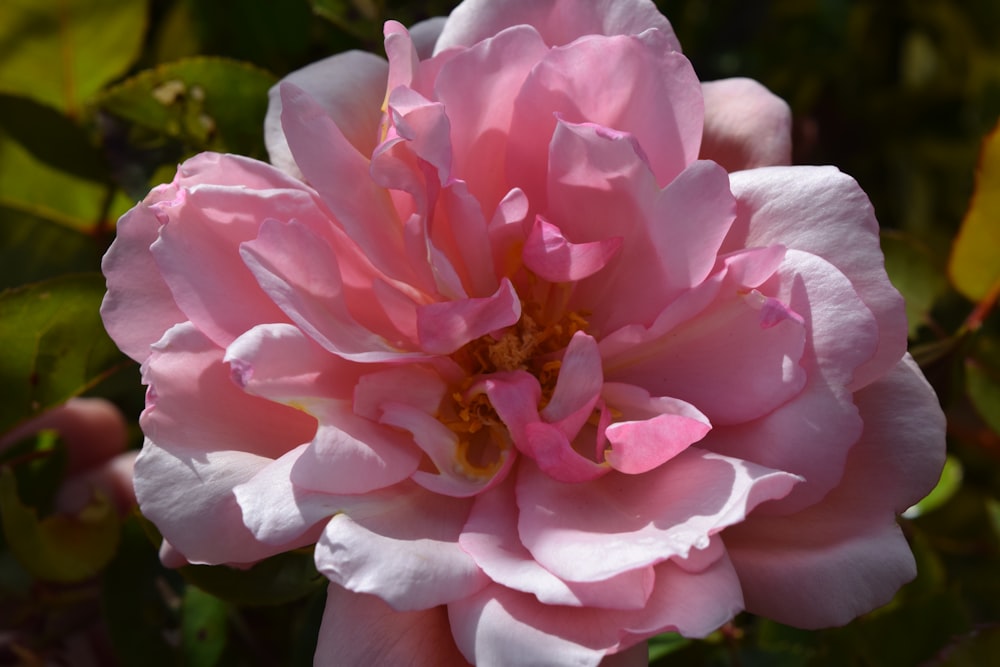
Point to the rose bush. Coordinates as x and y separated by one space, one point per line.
538 341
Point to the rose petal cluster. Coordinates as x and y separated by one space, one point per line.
538 339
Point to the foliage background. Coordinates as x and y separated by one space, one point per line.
100 99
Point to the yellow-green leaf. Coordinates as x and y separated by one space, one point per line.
974 266
61 52
61 548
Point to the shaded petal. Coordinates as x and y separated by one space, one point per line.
592 531
360 629
746 125
478 87
552 257
404 550
824 212
349 87
559 21
847 549
341 176
600 185
448 325
300 273
276 511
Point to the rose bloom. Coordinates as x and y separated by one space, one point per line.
538 341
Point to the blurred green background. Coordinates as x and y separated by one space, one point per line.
99 101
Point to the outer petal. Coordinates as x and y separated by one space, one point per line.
138 307
822 211
404 550
559 21
592 531
746 125
349 86
847 550
694 604
219 416
188 494
490 537
361 629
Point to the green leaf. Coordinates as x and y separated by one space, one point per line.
39 465
34 248
203 628
32 185
973 267
60 547
51 137
207 103
982 381
276 580
54 345
916 273
949 483
62 52
665 644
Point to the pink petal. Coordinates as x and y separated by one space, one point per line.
360 629
219 416
559 21
823 212
600 185
299 271
188 494
592 531
578 385
446 326
640 446
197 251
341 176
490 537
553 452
404 550
554 258
455 476
478 87
278 512
351 454
425 128
847 549
513 628
746 125
349 87
723 346
138 307
612 82
281 363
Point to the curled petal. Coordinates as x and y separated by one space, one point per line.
551 256
446 326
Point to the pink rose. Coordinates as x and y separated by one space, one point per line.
537 380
